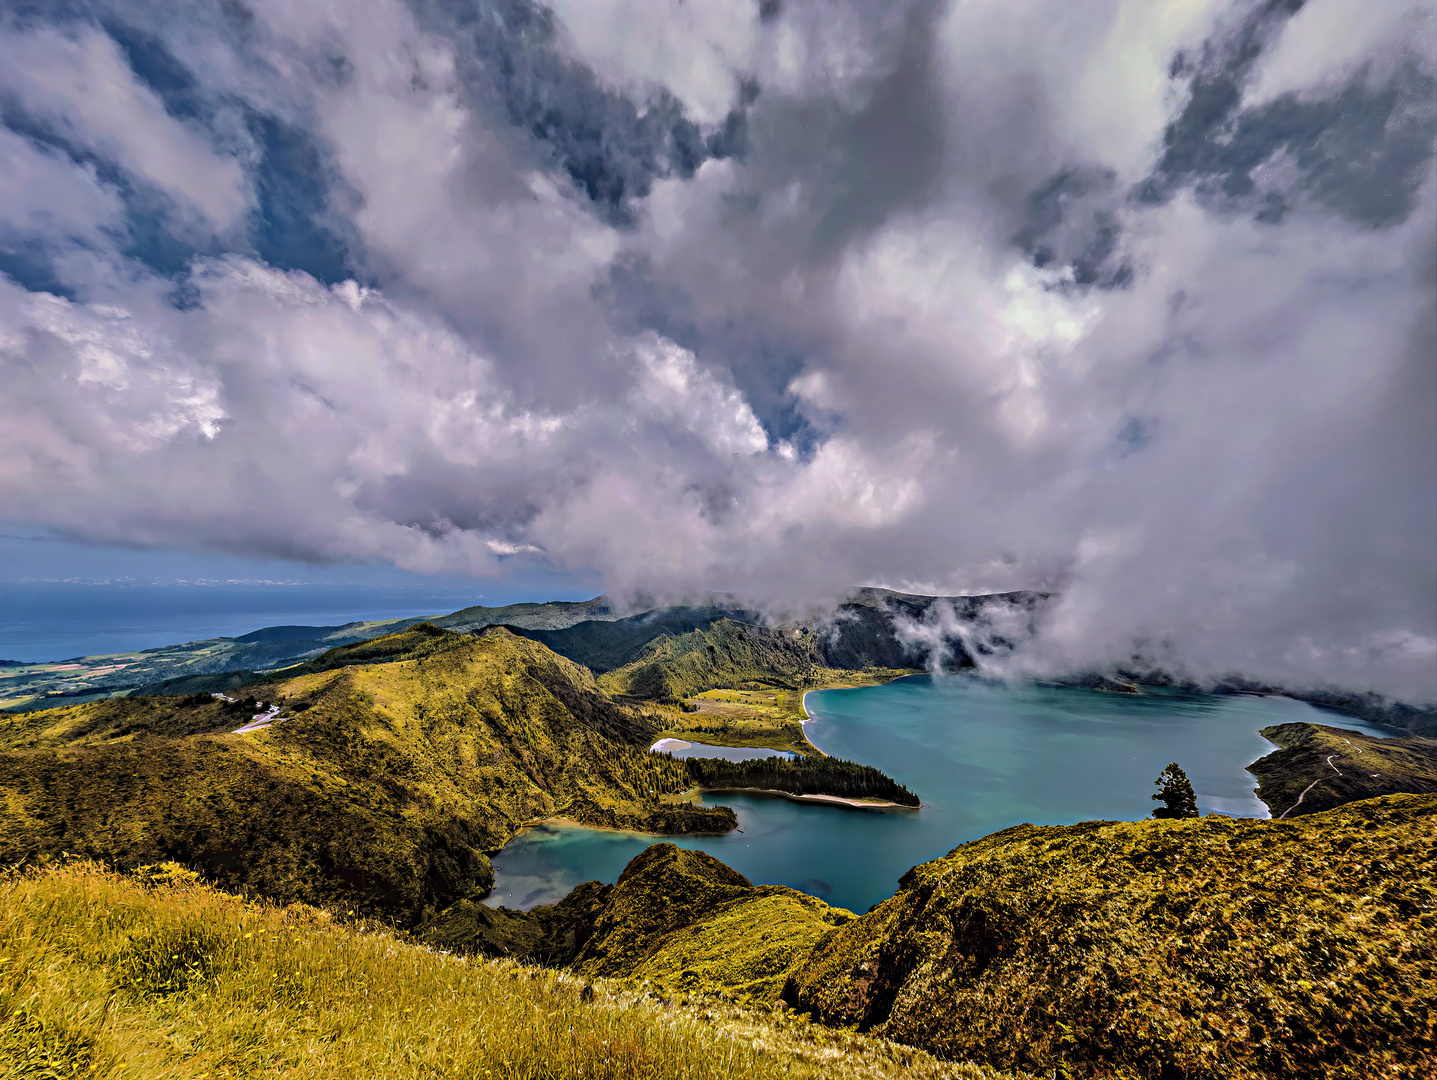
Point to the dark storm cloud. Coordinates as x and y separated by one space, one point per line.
761 357
1361 150
298 223
298 219
1073 223
888 155
1127 299
612 147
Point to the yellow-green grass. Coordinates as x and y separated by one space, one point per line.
724 717
769 717
742 697
110 977
383 787
734 655
745 949
1211 947
679 920
687 921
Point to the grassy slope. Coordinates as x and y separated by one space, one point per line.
679 919
686 921
403 761
726 654
770 718
220 663
1211 947
723 717
101 976
858 634
552 615
609 644
1361 767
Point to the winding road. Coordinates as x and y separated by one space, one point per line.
1310 786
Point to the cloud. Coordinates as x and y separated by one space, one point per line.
1133 300
693 50
1328 42
81 87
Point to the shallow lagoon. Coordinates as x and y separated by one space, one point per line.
981 756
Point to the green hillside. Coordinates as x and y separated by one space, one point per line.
726 654
1304 948
398 764
1320 767
605 645
221 663
110 977
678 919
396 767
686 921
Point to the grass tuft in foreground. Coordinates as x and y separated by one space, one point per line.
161 977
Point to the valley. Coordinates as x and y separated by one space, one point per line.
397 782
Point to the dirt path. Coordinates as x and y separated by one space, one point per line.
259 721
1310 786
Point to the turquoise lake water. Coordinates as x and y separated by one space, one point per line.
981 756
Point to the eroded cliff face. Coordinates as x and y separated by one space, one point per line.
1210 947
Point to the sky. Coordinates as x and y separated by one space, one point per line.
1131 300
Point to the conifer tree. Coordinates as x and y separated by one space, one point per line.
1175 793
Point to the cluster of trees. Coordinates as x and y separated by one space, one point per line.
643 773
805 776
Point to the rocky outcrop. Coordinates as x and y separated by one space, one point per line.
685 920
549 934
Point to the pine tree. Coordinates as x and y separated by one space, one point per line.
1176 793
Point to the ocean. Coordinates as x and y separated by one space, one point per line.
59 621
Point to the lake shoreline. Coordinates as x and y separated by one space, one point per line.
983 755
806 717
826 800
573 823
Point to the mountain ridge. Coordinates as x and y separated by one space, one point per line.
396 765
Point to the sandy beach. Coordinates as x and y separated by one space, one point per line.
835 800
